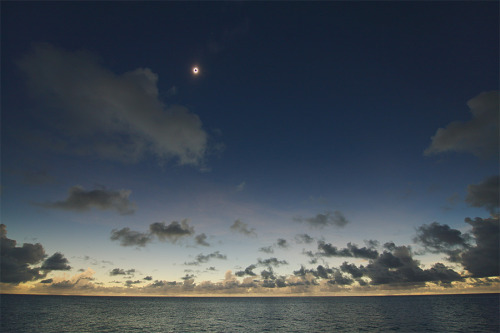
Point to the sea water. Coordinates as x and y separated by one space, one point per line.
445 313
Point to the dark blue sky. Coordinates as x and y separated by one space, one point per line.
299 109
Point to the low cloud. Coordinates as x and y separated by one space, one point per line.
267 249
201 239
478 136
352 250
485 194
81 200
113 116
120 271
304 238
164 232
20 264
172 231
204 258
282 243
322 220
242 228
129 237
56 262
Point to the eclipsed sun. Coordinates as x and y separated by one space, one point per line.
196 70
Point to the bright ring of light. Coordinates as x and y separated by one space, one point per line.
196 70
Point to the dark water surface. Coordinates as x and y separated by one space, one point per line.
450 313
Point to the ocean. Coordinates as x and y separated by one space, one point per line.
444 313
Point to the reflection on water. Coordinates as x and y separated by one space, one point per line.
450 313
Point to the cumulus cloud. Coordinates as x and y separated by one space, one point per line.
204 258
81 200
282 243
18 264
148 278
352 250
129 237
56 262
201 239
322 220
113 116
485 194
439 238
478 136
247 271
120 271
267 249
172 231
304 238
242 228
272 262
483 260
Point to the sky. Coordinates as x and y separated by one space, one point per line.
320 148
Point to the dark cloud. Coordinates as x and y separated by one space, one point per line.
119 117
81 200
16 261
201 239
440 238
120 271
351 269
372 243
267 249
56 262
47 281
130 283
188 277
282 243
148 278
485 194
322 220
352 250
19 264
272 262
247 271
204 258
304 238
478 136
483 259
242 228
171 232
128 237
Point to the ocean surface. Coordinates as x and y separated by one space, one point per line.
450 313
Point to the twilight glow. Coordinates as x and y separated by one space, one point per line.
313 156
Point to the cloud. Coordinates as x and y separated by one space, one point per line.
204 258
478 136
148 278
247 271
130 283
17 264
304 238
485 194
56 262
120 271
439 238
47 281
201 240
171 232
352 250
128 237
272 262
322 220
242 228
483 260
98 112
81 200
282 243
267 249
